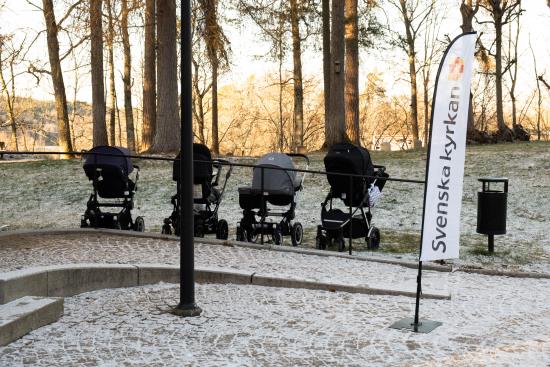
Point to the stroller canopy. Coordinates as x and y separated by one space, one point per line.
202 172
348 158
276 181
114 158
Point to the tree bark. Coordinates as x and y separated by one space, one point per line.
468 12
502 128
64 139
98 88
213 42
215 120
514 69
149 78
337 124
111 61
352 72
167 137
198 104
426 110
127 78
326 65
539 99
412 73
10 97
298 83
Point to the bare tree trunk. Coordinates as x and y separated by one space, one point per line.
539 100
111 60
326 65
167 138
212 37
215 137
352 72
298 85
10 96
412 73
127 78
281 89
149 78
468 12
198 104
98 88
337 123
64 139
426 109
513 70
502 128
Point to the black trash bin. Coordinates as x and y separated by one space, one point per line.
492 208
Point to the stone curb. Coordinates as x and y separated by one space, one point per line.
298 250
70 280
281 282
229 243
20 317
504 273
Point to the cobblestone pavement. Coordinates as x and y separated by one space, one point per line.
27 251
258 326
489 321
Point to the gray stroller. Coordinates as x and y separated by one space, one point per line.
275 187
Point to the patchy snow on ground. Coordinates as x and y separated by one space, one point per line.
260 326
48 194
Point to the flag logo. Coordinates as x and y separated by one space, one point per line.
456 68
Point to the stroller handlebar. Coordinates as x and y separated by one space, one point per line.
217 162
299 155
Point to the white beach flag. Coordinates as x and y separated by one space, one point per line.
445 167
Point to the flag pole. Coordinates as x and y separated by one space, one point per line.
416 324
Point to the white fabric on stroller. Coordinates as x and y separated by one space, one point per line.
374 195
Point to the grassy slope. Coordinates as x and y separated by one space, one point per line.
47 194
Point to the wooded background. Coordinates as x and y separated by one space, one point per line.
100 45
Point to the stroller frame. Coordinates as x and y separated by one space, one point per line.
338 225
205 220
249 228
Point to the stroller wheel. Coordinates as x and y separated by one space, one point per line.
166 229
339 242
321 242
297 234
222 232
199 230
252 236
240 234
83 223
139 225
320 239
278 236
373 240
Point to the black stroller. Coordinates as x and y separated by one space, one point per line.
358 195
207 197
109 173
279 189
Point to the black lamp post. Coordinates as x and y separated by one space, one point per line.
187 306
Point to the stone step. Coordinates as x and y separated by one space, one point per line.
20 317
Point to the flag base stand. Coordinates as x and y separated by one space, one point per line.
423 326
